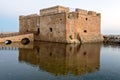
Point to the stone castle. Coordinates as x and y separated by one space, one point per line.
58 24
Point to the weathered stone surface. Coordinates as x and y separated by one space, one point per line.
57 24
18 38
52 28
29 23
16 45
85 28
53 10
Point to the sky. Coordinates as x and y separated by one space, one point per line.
10 10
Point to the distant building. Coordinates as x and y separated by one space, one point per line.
58 24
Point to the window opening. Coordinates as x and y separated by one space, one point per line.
85 31
50 29
38 31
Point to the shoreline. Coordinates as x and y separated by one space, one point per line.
111 39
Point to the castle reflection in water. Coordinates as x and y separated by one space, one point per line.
62 59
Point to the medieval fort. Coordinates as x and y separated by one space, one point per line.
59 24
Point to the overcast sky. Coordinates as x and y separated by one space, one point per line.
11 9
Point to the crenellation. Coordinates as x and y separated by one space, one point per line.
73 15
53 10
21 17
81 11
93 13
98 14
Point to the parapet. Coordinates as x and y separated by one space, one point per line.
98 14
81 11
92 13
32 15
21 17
85 12
28 16
53 10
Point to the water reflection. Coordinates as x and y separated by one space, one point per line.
8 48
62 59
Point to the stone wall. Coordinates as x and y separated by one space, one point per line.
29 23
18 38
53 27
91 31
83 26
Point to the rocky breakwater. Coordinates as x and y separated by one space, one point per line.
111 39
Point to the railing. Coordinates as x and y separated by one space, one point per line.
2 35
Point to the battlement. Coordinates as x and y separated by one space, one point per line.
92 13
60 9
98 14
81 11
28 16
85 12
21 17
53 10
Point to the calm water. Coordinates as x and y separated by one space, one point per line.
51 61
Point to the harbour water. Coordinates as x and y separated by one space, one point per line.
53 61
